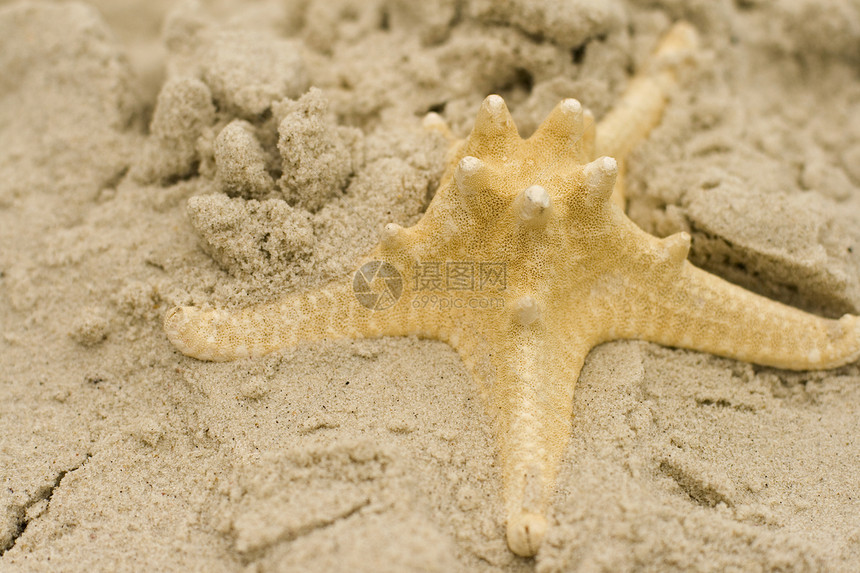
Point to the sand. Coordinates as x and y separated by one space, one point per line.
160 153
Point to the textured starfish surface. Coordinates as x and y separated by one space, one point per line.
523 262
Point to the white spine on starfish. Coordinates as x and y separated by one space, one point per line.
494 133
565 122
434 121
568 132
526 310
533 205
600 177
573 109
468 175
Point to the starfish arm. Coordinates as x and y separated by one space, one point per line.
530 394
641 105
331 313
700 311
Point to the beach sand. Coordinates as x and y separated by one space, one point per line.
159 153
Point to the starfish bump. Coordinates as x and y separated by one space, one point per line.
523 262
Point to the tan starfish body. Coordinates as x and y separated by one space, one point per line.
537 265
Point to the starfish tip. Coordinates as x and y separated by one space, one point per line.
392 236
174 319
176 323
525 533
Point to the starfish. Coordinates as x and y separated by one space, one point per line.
523 262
